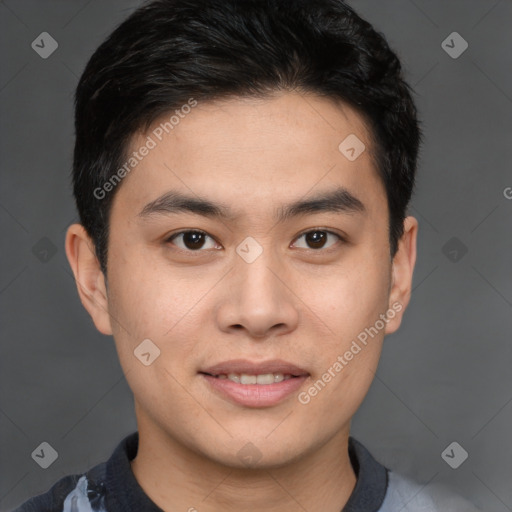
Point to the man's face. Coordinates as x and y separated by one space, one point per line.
300 290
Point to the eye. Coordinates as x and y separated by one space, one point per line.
317 239
192 240
195 240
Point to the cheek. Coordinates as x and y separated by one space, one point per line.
149 306
350 304
153 303
347 363
352 298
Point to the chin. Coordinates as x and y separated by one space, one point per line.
258 452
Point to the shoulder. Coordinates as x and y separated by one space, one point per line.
409 496
52 499
73 493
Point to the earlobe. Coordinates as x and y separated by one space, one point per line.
402 274
89 278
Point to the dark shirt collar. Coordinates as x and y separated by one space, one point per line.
372 480
123 493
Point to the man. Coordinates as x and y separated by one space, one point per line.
242 172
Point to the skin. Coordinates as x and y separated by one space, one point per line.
201 307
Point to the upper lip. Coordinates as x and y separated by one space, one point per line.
252 368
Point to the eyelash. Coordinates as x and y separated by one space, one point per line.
322 230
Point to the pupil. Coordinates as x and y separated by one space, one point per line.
193 240
316 239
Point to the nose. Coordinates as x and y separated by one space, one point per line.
258 299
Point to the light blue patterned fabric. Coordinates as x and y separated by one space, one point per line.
405 495
84 498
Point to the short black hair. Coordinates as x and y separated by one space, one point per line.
168 52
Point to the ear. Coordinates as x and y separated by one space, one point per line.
89 278
401 275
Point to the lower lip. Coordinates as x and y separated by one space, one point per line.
255 395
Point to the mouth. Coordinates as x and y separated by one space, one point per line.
262 379
254 384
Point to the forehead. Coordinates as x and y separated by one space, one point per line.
250 153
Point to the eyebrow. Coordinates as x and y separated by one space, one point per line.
339 200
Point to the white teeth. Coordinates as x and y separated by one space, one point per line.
248 379
264 378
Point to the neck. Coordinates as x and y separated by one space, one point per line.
176 478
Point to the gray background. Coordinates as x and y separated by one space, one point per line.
445 376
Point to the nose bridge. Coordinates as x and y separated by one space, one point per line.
258 300
258 268
260 277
